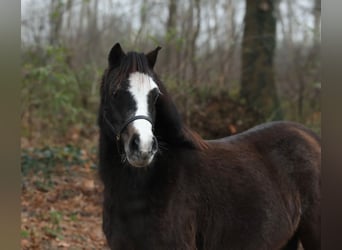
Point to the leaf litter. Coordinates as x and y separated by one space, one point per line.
61 208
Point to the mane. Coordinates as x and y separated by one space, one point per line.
135 62
196 140
168 116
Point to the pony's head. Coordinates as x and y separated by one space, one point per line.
129 92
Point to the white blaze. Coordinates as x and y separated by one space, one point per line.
140 85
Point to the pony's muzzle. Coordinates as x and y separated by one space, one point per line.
141 152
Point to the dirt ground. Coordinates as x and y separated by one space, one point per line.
63 212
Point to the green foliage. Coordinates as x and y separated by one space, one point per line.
45 159
54 228
309 113
73 216
53 232
56 217
25 234
55 97
45 184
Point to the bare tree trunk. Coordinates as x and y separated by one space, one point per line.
55 19
69 5
143 19
226 60
317 23
193 42
290 22
96 39
95 15
257 75
92 18
171 31
81 18
317 50
187 36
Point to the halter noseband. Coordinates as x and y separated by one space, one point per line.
132 119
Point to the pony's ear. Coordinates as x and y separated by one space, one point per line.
115 55
152 57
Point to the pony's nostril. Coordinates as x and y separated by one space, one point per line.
154 144
134 145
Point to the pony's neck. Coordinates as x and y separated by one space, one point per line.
169 127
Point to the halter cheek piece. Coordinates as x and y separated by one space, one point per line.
126 123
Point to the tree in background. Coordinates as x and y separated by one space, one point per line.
170 36
258 87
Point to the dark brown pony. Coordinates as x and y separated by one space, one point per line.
258 190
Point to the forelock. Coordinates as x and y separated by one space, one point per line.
131 63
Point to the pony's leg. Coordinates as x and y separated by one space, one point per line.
310 229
